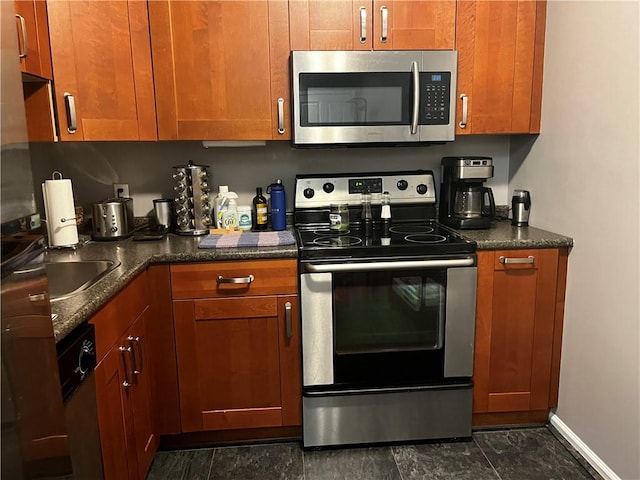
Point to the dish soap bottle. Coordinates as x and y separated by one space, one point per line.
226 209
259 211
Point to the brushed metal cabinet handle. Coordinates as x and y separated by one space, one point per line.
465 110
70 104
384 13
137 346
363 24
123 352
503 259
23 27
222 279
281 116
416 97
288 313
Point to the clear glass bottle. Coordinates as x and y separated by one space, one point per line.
366 216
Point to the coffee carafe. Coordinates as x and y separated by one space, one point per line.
465 203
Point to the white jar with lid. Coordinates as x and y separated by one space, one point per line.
244 217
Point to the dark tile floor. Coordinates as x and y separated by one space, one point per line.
516 454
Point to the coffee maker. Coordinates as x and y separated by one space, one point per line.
465 203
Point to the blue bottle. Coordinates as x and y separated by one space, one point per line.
278 203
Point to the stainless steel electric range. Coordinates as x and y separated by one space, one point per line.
387 311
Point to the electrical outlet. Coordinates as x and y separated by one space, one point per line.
121 190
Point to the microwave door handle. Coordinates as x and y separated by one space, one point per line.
415 73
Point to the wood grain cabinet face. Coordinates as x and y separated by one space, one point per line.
123 377
373 24
221 69
238 356
518 330
33 38
102 70
500 59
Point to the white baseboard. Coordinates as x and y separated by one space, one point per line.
594 460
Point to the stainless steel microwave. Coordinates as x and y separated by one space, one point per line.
373 97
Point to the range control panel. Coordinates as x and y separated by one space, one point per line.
415 186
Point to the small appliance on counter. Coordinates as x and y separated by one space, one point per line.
465 203
113 219
193 209
520 208
163 214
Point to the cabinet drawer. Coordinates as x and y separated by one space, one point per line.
201 280
240 307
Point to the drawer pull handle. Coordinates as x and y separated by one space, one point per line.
465 110
529 259
288 320
222 279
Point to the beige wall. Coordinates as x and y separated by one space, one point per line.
583 173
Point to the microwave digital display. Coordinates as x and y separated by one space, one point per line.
436 78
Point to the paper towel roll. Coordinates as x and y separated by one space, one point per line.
60 212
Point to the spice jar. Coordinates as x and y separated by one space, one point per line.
339 217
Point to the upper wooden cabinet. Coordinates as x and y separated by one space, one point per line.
520 307
33 38
102 70
500 58
221 69
378 25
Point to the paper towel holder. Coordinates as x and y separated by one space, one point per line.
58 217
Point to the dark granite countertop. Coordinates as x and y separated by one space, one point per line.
502 235
134 257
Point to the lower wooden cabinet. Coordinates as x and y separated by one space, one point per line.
238 349
125 408
520 307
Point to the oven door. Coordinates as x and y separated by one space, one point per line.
387 324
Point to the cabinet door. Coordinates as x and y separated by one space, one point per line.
290 373
33 38
373 24
516 310
102 63
413 24
146 441
500 58
220 69
113 385
229 363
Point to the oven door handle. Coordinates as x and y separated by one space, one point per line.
377 266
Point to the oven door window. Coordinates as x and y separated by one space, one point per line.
389 328
354 99
388 312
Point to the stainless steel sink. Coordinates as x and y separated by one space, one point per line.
70 278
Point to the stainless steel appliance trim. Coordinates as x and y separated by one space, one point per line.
474 171
396 265
460 321
529 259
416 97
371 61
316 294
428 413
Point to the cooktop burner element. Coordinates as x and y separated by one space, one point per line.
414 230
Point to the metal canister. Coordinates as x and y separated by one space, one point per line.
339 217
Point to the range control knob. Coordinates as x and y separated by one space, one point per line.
421 189
402 184
328 187
308 193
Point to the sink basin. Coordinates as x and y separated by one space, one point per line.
69 278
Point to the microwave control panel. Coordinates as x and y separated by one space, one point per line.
435 98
